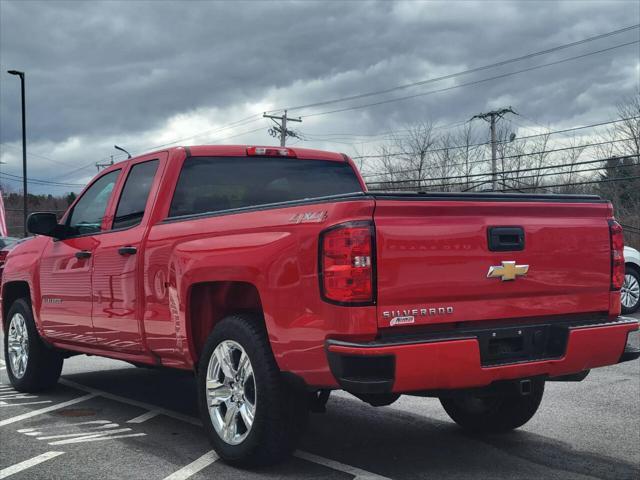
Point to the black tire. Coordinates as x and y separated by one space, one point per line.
634 272
43 363
495 414
281 411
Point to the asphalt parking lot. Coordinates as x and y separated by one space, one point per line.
109 420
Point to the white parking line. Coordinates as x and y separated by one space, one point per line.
96 438
5 404
194 467
14 395
35 413
341 467
18 467
144 417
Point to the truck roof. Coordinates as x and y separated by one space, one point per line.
241 151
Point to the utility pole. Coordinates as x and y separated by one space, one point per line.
492 117
24 149
281 130
100 166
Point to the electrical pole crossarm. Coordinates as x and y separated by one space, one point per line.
492 117
282 128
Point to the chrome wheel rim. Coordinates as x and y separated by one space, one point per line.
18 345
231 392
630 291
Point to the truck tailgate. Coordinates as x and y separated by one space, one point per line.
433 257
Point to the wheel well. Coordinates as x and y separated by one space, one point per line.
210 302
633 267
10 293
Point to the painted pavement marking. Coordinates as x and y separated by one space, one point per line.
19 467
194 467
35 413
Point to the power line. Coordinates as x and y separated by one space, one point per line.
480 183
520 170
573 129
504 179
37 155
464 72
92 164
520 155
476 82
35 181
606 180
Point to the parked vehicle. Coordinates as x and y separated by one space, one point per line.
7 241
6 244
630 292
276 277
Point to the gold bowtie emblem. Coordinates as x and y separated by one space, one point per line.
507 271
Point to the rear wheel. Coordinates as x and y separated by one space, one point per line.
498 413
31 365
252 416
630 291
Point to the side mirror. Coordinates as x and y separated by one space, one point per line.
43 223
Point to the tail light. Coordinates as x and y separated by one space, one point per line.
617 255
3 256
347 264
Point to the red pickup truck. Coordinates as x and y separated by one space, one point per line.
275 276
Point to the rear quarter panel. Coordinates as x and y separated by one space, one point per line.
269 249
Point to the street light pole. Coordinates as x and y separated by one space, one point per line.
24 149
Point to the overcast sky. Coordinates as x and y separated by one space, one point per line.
145 73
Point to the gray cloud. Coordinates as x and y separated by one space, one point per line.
105 70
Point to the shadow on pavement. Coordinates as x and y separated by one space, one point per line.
387 441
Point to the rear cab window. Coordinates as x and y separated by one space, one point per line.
213 184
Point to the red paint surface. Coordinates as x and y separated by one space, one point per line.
152 308
456 364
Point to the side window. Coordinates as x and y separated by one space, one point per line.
88 213
134 194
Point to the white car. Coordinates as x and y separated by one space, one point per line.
630 294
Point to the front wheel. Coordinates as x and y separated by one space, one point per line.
251 415
493 414
31 365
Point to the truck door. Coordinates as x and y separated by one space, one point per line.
117 267
65 271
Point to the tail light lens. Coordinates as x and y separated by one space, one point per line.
617 255
347 264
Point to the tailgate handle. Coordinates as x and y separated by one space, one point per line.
505 239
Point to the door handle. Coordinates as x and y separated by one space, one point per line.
127 251
83 254
505 239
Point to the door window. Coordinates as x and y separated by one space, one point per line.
88 212
134 194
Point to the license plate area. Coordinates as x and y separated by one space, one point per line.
522 344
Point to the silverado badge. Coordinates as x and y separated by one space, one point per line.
507 271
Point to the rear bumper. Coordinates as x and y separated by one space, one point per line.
464 359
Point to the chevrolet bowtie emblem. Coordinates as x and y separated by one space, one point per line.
507 271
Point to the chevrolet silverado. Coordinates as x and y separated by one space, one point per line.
276 276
